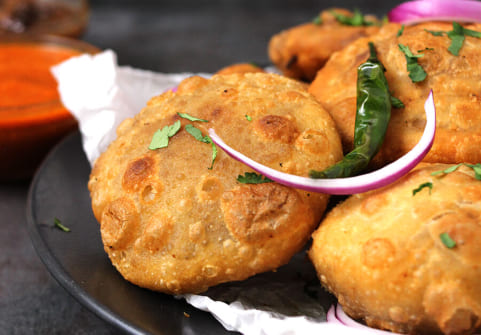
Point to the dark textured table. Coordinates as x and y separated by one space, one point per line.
164 36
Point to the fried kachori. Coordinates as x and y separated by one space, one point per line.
299 52
382 253
172 221
455 81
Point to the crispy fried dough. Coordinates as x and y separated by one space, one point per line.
455 81
171 224
381 254
299 52
240 68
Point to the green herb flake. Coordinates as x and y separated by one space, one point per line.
400 31
416 72
447 240
190 117
161 137
426 49
396 103
434 32
253 178
424 185
248 117
205 139
477 170
475 167
317 20
446 171
357 19
57 223
457 37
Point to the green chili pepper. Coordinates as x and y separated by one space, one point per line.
372 118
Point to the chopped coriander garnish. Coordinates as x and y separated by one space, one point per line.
253 178
426 49
205 139
161 137
424 185
448 170
416 72
60 226
457 36
476 168
434 32
317 20
357 19
400 31
447 240
396 103
190 117
248 118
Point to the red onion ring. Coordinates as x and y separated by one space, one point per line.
344 319
411 12
331 316
351 185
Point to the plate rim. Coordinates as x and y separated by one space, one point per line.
55 268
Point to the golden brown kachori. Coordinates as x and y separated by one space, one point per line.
382 255
170 223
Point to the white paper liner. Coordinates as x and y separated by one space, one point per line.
100 94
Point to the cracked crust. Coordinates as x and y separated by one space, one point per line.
171 224
455 81
380 253
299 52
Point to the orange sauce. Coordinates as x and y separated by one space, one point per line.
28 90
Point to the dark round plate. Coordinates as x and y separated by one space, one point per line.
76 259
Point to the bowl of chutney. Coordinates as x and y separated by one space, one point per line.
32 116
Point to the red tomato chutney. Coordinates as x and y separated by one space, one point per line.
28 91
32 117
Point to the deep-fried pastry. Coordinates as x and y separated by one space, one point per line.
382 253
171 223
455 81
299 52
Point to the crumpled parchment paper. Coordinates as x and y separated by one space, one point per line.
100 94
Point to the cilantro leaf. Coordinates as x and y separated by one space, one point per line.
248 117
317 20
471 33
435 32
161 137
396 103
416 72
205 139
476 168
447 240
400 31
457 41
446 171
190 117
426 49
253 178
60 226
424 185
457 37
357 19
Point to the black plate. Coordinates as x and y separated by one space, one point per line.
76 259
